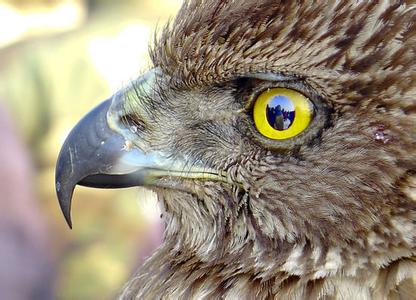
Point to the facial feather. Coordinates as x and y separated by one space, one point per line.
340 197
328 212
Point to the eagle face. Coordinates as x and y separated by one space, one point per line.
280 140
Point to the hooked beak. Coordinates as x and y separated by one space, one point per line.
99 152
92 156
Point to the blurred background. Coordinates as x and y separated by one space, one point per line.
58 59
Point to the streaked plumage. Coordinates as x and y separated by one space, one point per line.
328 214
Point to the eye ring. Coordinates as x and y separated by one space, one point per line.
281 113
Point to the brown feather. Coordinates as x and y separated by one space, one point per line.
330 215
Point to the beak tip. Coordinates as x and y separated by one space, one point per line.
66 211
69 222
65 198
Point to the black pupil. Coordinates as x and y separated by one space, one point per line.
280 112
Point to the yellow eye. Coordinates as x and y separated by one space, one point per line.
281 113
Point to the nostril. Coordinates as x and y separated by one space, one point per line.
134 123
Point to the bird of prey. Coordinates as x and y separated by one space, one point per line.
279 137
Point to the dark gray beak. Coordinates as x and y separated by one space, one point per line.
91 157
101 152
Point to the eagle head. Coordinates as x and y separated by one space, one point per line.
279 137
